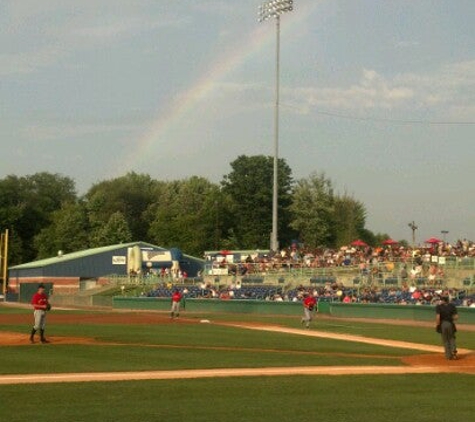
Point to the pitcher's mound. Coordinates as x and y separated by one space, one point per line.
20 339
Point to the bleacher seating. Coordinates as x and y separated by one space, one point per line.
361 293
421 281
391 281
322 279
252 279
258 292
469 282
193 291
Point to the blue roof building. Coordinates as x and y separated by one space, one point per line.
127 259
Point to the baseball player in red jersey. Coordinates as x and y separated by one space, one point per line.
176 299
40 305
309 304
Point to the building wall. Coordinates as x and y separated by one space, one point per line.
69 276
63 285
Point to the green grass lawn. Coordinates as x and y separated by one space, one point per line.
371 398
415 398
410 332
154 347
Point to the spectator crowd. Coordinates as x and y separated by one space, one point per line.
403 264
330 292
296 256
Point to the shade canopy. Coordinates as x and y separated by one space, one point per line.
358 242
433 240
390 242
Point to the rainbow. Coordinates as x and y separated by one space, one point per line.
186 101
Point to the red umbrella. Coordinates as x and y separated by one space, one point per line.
390 242
433 240
358 242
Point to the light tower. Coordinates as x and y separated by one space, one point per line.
268 10
413 228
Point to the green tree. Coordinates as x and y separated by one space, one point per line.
186 214
369 237
130 195
379 238
349 219
28 204
11 214
68 231
313 210
49 191
115 231
249 187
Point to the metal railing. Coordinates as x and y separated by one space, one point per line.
382 273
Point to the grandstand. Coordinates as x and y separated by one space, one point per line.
332 276
194 291
330 292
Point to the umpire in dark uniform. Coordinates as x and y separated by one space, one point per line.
446 315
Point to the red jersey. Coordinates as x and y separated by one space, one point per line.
176 297
39 301
310 302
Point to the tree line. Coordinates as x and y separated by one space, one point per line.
44 214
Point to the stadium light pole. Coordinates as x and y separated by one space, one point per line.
268 10
444 233
413 228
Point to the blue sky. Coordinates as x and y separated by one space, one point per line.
379 95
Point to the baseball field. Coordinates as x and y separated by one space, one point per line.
143 366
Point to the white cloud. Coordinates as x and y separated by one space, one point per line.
22 11
406 44
56 30
372 91
106 29
451 86
27 62
43 132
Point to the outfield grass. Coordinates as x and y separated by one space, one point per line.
154 347
371 398
414 398
410 332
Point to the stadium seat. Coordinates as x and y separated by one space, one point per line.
252 279
469 283
391 281
322 279
421 281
